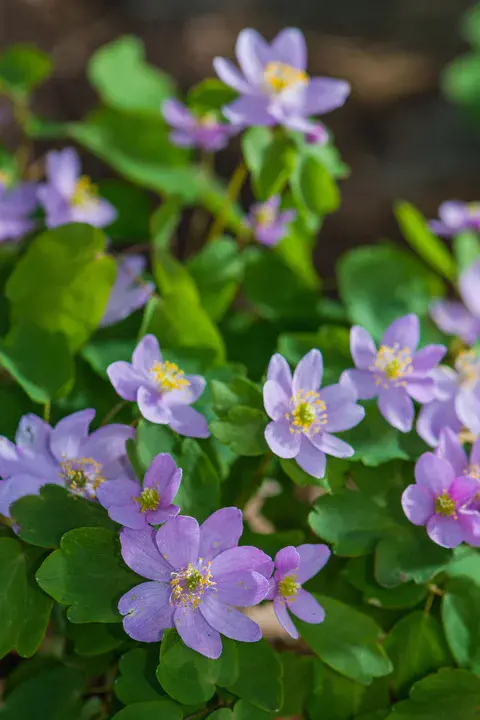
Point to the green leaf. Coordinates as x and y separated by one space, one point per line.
460 617
199 492
22 68
417 648
334 341
183 673
408 555
137 681
133 210
124 80
461 80
165 709
95 638
222 714
171 275
300 477
50 695
360 574
466 248
243 710
297 682
335 696
378 284
313 186
242 429
375 441
217 271
347 641
255 142
470 25
465 563
63 282
277 163
88 574
239 391
100 353
210 95
417 233
151 440
43 519
260 673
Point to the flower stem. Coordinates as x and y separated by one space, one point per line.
233 191
46 411
111 414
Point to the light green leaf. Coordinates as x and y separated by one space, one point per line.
255 142
243 710
153 439
242 429
466 248
210 95
22 68
313 186
460 617
461 80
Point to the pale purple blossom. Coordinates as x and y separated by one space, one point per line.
451 449
70 197
198 577
161 389
65 455
305 416
461 318
16 205
396 372
457 399
293 567
130 291
274 86
269 224
442 500
455 216
136 506
317 135
192 131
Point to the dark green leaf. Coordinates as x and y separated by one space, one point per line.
334 342
334 696
243 710
133 207
137 681
297 682
199 493
95 638
222 714
217 271
242 429
359 572
408 555
50 695
259 680
164 709
151 440
461 622
22 68
101 353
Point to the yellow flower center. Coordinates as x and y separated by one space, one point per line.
82 477
265 216
468 367
473 471
4 177
473 208
149 499
308 414
168 376
445 505
189 584
289 586
280 76
85 192
394 362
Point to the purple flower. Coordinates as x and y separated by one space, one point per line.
137 507
129 292
293 567
190 130
318 135
16 204
163 392
442 500
68 196
455 318
273 85
268 224
456 216
198 577
395 373
303 416
64 455
457 399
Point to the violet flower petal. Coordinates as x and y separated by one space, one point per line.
397 408
147 611
434 473
197 633
228 621
418 504
284 618
178 541
312 559
219 532
140 553
306 607
445 531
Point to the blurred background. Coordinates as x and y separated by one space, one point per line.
402 138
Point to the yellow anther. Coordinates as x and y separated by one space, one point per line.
394 362
289 586
189 584
280 76
468 367
168 376
308 413
445 505
85 191
148 499
82 476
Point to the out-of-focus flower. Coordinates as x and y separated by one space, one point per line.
274 86
16 204
293 567
455 318
457 399
442 500
268 223
395 373
129 292
303 416
456 216
198 576
64 455
189 130
68 196
163 392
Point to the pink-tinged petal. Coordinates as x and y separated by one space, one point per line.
219 532
418 504
434 473
287 559
450 449
344 418
397 408
147 612
309 372
362 347
178 541
63 170
470 524
125 380
279 371
130 516
434 417
281 441
331 445
189 422
249 110
421 389
312 559
117 492
33 433
445 531
284 618
241 588
107 445
469 283
276 401
454 319
453 214
464 489
16 487
405 332
162 515
467 405
228 621
146 354
428 358
322 95
196 633
151 407
70 433
252 54
140 553
177 114
244 557
289 47
311 459
364 383
164 475
305 607
228 73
